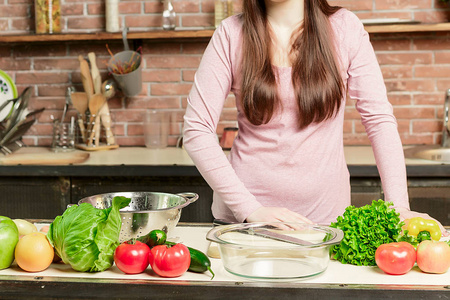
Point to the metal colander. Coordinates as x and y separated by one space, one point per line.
147 211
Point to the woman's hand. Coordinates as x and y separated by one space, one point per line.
276 214
408 214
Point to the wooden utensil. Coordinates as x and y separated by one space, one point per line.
103 113
96 78
108 91
80 102
86 77
95 104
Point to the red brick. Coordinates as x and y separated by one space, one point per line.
165 75
170 89
188 75
441 57
46 91
348 126
96 9
403 126
88 23
431 16
442 84
399 99
411 85
161 48
153 7
427 126
414 112
135 129
431 44
390 72
194 48
351 113
129 116
7 63
4 26
14 11
186 6
391 45
130 141
432 71
428 98
22 24
144 21
72 9
354 5
172 61
56 64
207 6
403 4
163 102
359 127
130 7
416 139
41 77
229 115
199 20
30 50
404 58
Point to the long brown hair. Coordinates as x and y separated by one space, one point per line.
316 78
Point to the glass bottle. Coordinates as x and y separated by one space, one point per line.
222 10
169 16
47 16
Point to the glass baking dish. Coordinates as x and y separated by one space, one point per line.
275 251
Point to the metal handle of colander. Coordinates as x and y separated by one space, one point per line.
190 198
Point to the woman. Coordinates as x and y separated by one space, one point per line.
290 64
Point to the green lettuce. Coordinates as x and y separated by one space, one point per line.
365 228
86 237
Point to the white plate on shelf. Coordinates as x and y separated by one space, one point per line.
385 21
8 91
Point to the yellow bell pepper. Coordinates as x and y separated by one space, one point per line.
418 224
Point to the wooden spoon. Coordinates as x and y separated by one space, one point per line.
108 91
96 78
80 102
95 104
86 77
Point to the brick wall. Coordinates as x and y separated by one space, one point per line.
416 66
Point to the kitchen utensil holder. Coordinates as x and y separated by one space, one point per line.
97 130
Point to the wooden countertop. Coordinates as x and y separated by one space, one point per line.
142 161
338 281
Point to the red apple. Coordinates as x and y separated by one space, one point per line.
433 257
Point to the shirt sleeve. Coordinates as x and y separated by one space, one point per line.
366 85
212 84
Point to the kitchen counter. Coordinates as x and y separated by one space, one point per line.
339 281
141 161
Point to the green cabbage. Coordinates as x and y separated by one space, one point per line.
365 228
86 237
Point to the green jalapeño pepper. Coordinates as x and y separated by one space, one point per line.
418 224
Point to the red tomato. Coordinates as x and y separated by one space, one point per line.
433 257
132 258
170 261
395 258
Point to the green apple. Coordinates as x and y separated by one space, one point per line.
9 236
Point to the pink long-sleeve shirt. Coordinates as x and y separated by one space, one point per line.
277 164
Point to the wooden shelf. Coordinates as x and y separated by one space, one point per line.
393 28
194 34
101 36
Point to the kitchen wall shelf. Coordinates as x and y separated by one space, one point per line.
202 34
101 36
